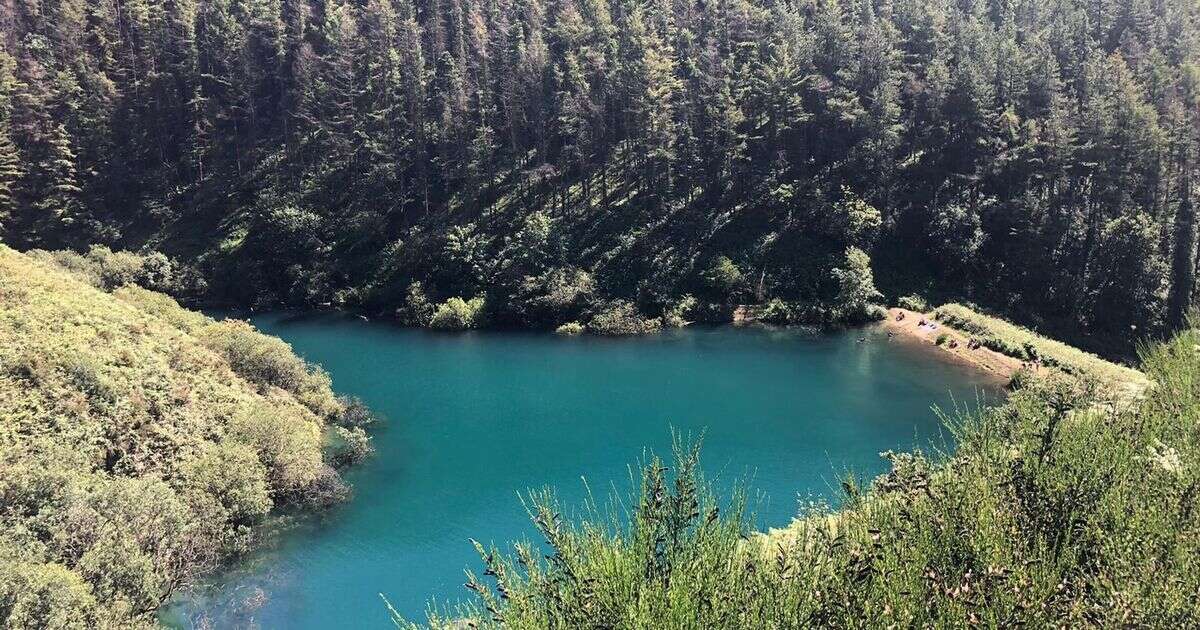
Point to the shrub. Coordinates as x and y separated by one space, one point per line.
108 270
355 413
352 446
777 311
417 310
233 476
570 329
44 595
621 317
676 314
459 314
556 294
941 339
269 362
913 303
285 443
724 277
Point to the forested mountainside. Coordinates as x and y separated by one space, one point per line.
574 159
142 443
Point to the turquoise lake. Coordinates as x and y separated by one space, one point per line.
473 420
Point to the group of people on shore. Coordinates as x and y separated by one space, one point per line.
972 343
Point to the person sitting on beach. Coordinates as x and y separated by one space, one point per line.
900 316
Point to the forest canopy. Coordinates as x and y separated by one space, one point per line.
562 158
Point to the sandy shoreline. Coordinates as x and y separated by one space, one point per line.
909 329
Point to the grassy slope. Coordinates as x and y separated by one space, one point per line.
1022 343
1065 507
139 444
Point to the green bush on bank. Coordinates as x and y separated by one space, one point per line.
1060 508
621 317
141 444
570 329
913 303
459 314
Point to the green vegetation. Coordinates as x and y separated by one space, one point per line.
142 443
570 329
622 318
458 314
1015 341
558 157
913 303
1061 508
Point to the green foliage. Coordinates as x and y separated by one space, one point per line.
35 596
913 303
1048 514
269 362
354 445
554 295
855 221
417 310
724 278
141 444
620 317
459 314
676 314
570 329
856 287
108 270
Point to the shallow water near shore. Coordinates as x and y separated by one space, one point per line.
473 420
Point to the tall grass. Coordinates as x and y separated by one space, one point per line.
1064 507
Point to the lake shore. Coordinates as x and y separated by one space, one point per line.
955 347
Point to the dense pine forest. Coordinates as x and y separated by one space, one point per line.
550 161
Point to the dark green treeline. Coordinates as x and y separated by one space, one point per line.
1035 156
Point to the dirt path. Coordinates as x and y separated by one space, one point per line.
955 345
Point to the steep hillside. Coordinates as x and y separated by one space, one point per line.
140 443
572 158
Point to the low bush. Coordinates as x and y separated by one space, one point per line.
108 270
417 310
269 362
621 317
913 303
570 329
459 314
676 314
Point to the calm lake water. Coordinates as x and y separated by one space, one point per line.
474 420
